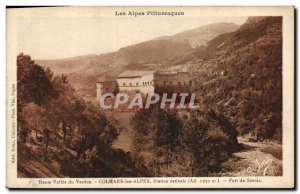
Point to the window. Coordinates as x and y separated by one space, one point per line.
170 82
137 83
178 83
190 82
165 82
143 83
130 84
123 84
184 83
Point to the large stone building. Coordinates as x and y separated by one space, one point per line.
139 81
146 82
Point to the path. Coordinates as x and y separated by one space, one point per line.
256 159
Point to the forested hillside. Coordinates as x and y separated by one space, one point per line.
240 75
59 135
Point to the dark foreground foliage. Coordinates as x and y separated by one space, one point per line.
193 144
60 135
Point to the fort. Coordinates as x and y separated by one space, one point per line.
133 90
146 82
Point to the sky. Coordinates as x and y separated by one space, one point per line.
63 33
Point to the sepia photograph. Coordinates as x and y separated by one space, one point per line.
150 97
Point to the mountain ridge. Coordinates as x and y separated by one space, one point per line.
87 69
201 35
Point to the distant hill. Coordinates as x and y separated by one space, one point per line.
84 71
155 51
200 36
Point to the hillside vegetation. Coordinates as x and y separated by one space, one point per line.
59 135
240 75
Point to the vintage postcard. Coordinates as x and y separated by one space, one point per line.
150 97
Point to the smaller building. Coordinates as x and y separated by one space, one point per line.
172 81
172 78
106 86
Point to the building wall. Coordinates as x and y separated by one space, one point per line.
130 84
148 84
175 82
178 79
142 84
170 83
99 90
106 87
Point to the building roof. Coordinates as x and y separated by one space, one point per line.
129 74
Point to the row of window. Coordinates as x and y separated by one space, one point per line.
137 83
164 83
179 83
148 83
151 82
